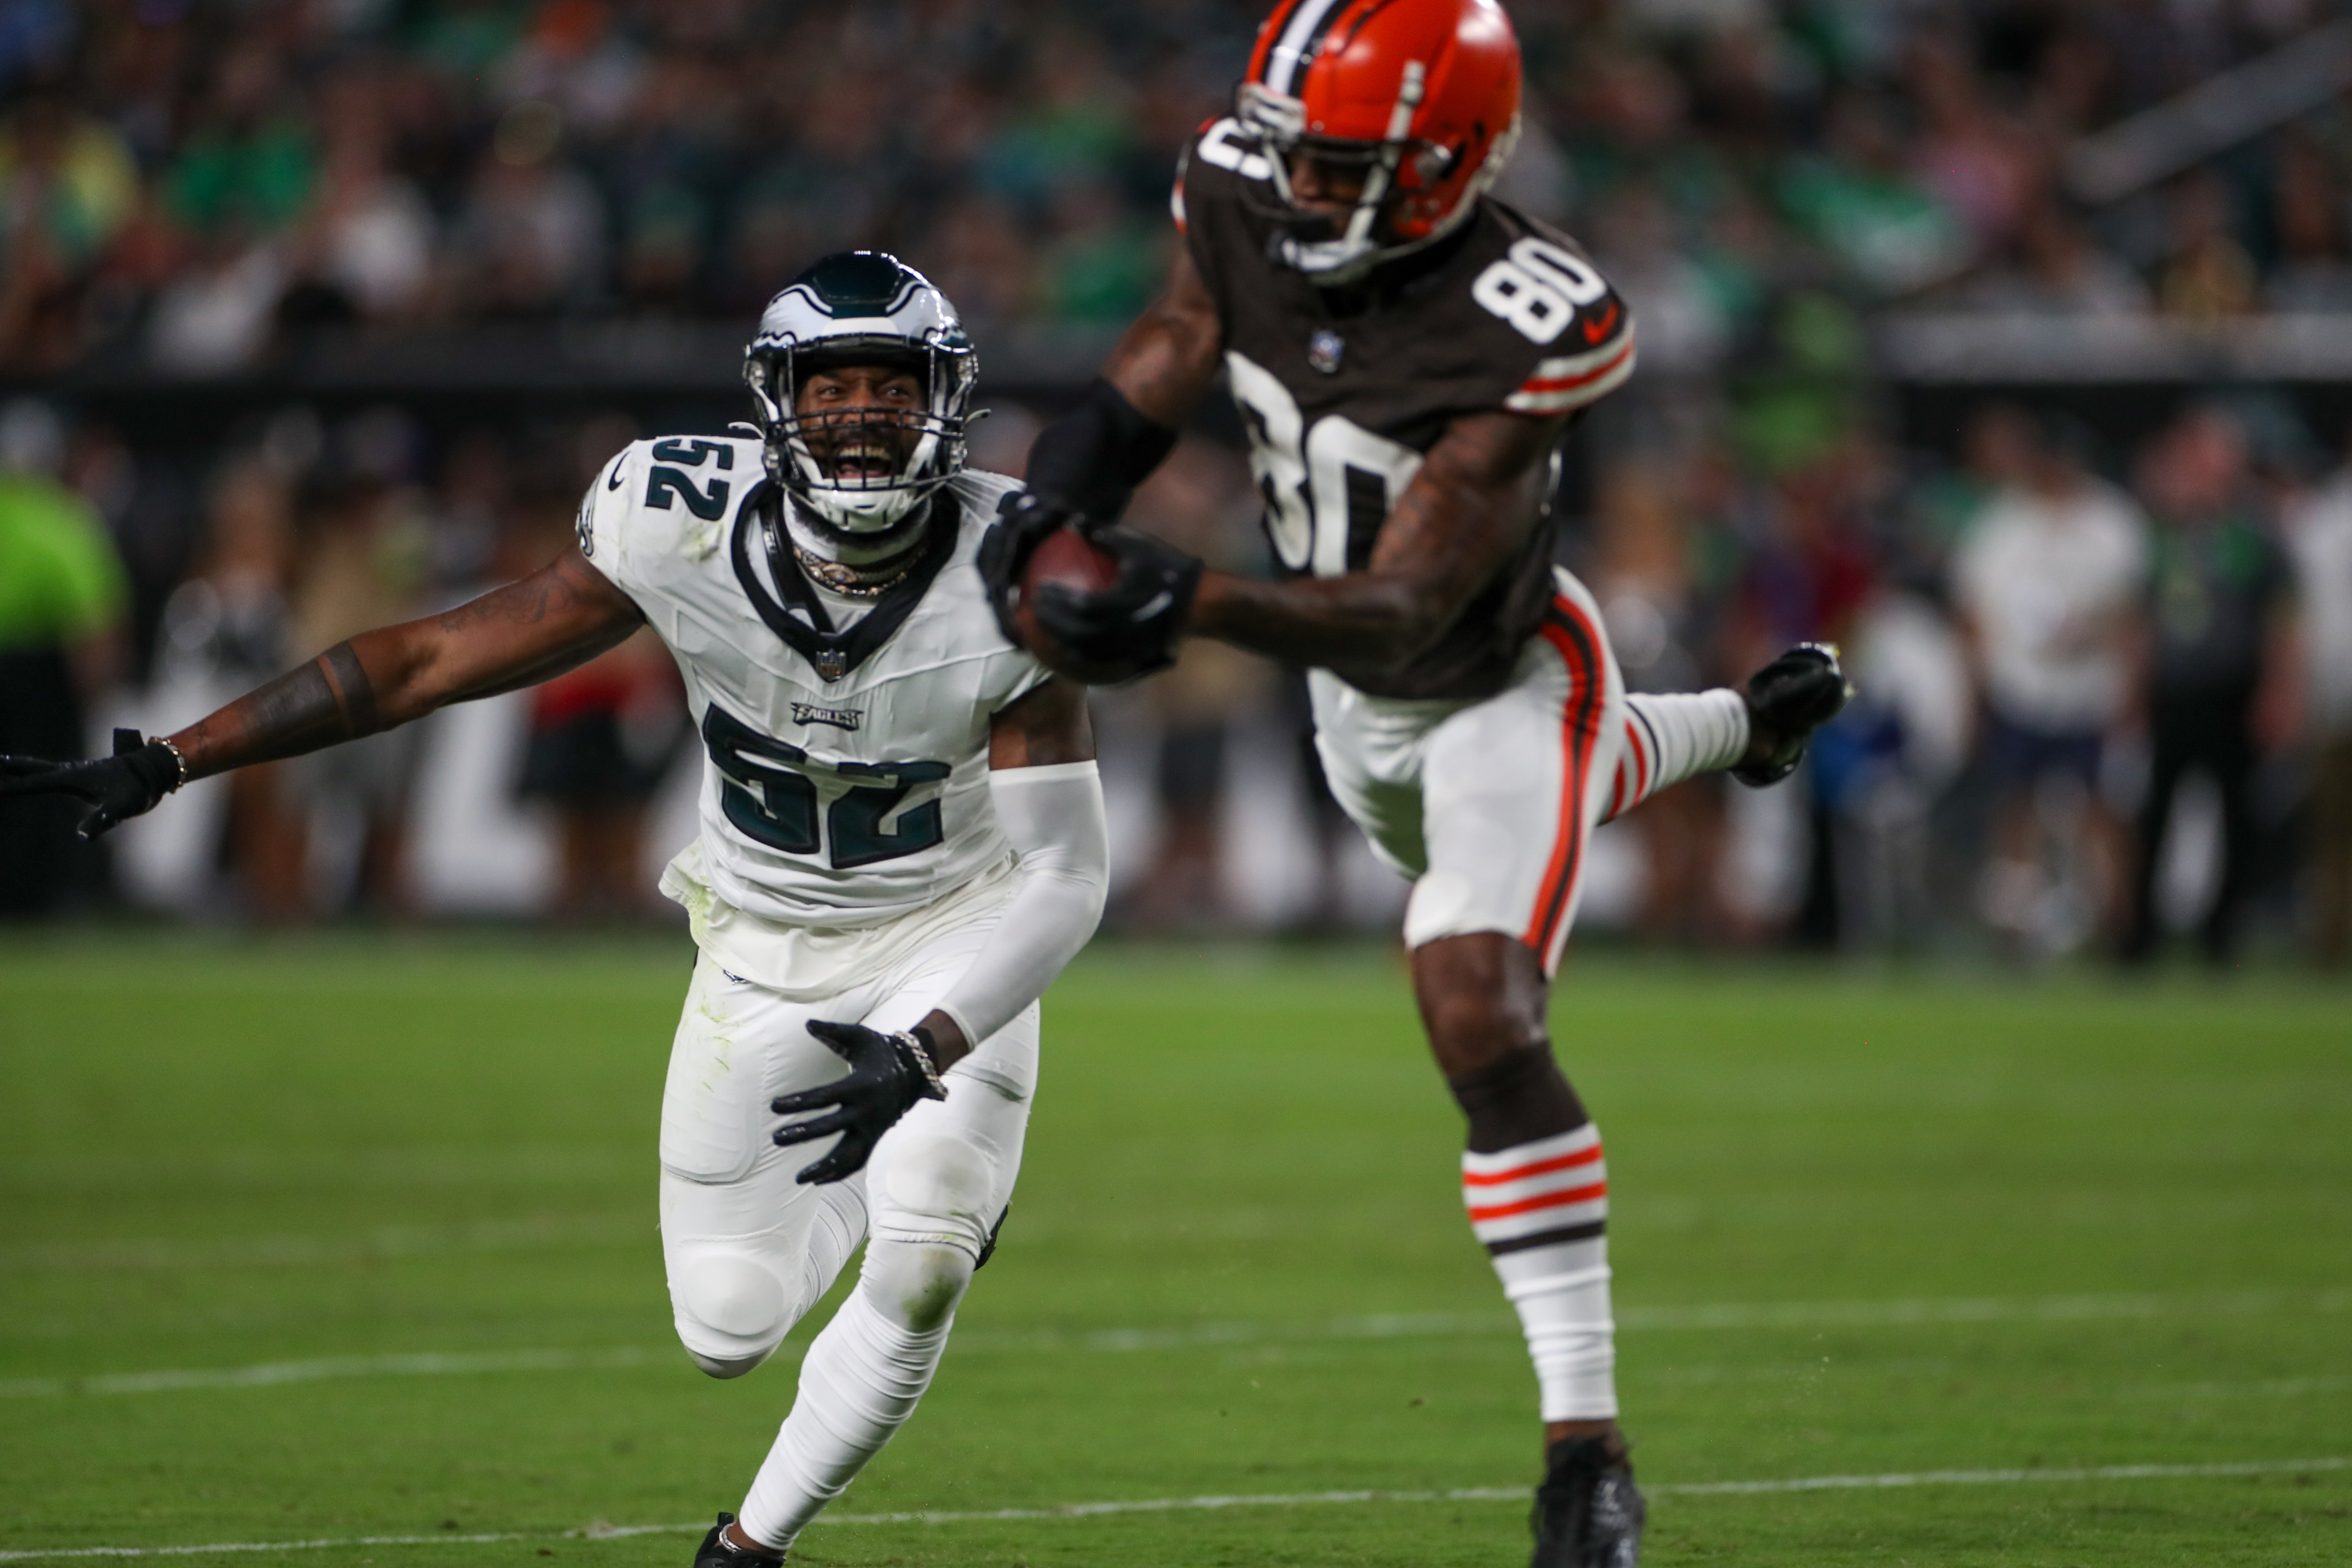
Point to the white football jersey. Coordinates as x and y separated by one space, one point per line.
845 777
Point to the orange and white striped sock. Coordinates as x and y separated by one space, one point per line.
1541 1209
1672 735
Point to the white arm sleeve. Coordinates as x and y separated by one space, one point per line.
1054 817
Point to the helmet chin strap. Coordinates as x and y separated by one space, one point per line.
817 537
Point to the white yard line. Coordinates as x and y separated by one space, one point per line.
1997 1477
532 1234
1983 1310
1380 1326
1715 1317
1278 1499
2259 1388
268 1375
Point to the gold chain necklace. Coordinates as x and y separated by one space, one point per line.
836 577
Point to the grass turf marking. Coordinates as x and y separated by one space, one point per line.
268 1375
601 1531
290 1251
1378 1326
2269 1387
1722 1315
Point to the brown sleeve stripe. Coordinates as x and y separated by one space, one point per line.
1558 393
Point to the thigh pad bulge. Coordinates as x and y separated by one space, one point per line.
935 1175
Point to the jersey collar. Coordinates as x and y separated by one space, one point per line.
833 653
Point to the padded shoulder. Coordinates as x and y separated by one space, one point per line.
1567 325
980 493
663 500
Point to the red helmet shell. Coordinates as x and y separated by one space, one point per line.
1347 63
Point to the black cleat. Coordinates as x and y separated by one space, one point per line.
718 1552
1589 1513
1788 700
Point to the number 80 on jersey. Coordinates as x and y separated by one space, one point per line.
1537 288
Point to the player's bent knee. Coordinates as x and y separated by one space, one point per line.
722 1367
917 1284
731 1312
1482 998
1472 1029
933 1204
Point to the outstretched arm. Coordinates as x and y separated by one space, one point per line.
560 617
1463 516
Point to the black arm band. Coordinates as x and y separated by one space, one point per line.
1091 458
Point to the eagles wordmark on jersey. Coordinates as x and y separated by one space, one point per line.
848 766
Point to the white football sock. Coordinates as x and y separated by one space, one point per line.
1671 736
1542 1208
860 1382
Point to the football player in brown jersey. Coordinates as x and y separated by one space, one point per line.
1406 353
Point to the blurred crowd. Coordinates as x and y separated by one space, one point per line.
189 181
2106 690
2106 671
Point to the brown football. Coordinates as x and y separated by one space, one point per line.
1067 557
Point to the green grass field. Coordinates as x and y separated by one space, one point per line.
321 1240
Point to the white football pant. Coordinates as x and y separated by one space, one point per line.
1487 805
749 1250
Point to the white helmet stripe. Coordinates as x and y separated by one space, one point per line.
1286 63
1409 96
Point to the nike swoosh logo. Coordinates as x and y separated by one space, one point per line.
613 482
1160 601
1596 330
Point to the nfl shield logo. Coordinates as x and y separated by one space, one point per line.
1324 349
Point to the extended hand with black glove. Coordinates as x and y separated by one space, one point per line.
116 788
1022 522
888 1074
1136 621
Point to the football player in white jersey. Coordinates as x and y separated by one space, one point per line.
901 844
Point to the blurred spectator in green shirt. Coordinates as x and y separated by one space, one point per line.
62 596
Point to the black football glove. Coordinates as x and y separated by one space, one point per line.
115 788
1022 522
888 1074
1134 622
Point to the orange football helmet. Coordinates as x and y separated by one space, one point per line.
1422 96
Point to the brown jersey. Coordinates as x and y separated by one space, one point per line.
1344 392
